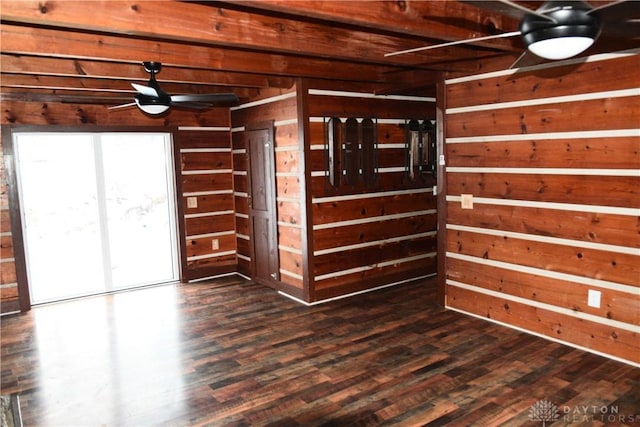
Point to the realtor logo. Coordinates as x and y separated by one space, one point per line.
544 411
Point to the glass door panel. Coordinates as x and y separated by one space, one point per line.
60 216
139 212
98 212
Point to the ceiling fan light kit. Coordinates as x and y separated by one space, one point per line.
568 30
152 100
559 29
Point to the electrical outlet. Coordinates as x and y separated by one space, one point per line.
192 202
466 201
215 244
593 298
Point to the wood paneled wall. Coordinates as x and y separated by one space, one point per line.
281 110
206 178
203 168
368 236
551 158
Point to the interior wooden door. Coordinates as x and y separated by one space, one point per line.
262 206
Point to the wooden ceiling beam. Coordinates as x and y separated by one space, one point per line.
21 40
107 86
202 24
445 21
66 67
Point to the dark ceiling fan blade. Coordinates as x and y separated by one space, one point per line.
617 12
527 59
209 98
628 30
507 8
465 41
191 105
145 90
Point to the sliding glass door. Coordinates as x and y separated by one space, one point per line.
98 212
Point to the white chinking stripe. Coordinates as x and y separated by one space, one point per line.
546 337
543 101
205 214
370 195
241 194
374 266
243 257
379 121
592 58
546 171
290 274
286 148
337 93
242 236
290 249
240 173
374 219
206 171
364 291
239 151
374 243
214 255
546 239
604 284
549 307
264 101
241 215
614 210
379 170
207 235
285 122
612 133
206 128
207 193
205 150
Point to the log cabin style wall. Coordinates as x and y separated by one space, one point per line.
280 110
366 232
550 157
336 240
203 169
206 178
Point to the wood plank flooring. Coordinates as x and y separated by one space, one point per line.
230 352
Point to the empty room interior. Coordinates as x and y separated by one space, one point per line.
320 213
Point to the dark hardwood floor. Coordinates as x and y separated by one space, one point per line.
231 352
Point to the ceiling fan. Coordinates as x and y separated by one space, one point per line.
151 99
557 29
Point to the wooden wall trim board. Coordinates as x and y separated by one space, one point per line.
440 190
550 156
15 286
306 192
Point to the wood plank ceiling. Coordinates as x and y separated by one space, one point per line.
90 51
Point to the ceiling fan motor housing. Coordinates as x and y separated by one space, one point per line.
571 20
